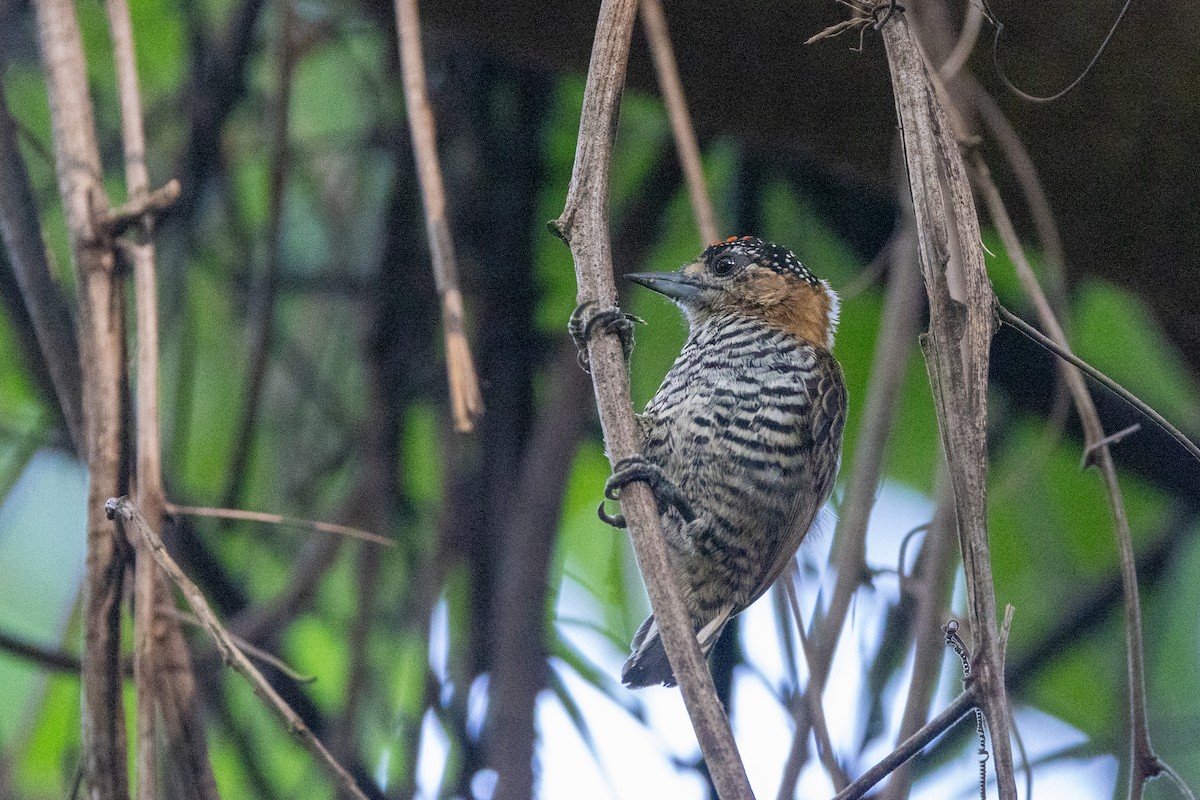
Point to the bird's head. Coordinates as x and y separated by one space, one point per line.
748 276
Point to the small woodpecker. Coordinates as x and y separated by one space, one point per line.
743 440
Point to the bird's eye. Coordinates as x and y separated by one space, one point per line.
725 265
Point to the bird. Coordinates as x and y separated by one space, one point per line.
742 442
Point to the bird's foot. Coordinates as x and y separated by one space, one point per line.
637 468
584 320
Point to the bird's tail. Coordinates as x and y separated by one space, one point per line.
648 665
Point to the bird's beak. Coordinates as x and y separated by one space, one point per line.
674 285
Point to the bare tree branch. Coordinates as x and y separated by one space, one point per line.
466 401
957 346
655 22
584 226
101 329
230 652
958 708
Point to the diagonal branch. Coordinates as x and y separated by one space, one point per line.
665 67
584 226
958 708
465 399
129 513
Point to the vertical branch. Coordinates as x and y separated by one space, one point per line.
957 345
466 401
584 226
163 676
667 70
77 163
149 467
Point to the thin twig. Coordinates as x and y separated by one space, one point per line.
248 647
584 226
812 693
278 519
465 399
959 707
654 20
893 345
1145 764
1120 391
230 652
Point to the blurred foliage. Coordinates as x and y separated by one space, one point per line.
1050 524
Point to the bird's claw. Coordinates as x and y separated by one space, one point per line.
637 468
612 320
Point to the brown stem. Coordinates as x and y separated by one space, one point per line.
957 346
584 226
655 22
466 401
230 652
149 466
163 678
77 163
279 519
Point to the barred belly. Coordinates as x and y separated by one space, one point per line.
733 426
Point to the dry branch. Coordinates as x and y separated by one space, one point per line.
163 678
77 163
278 519
957 346
655 22
232 655
958 708
584 226
465 399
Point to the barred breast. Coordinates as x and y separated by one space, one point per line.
748 424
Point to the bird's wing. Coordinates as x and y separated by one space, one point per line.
826 418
